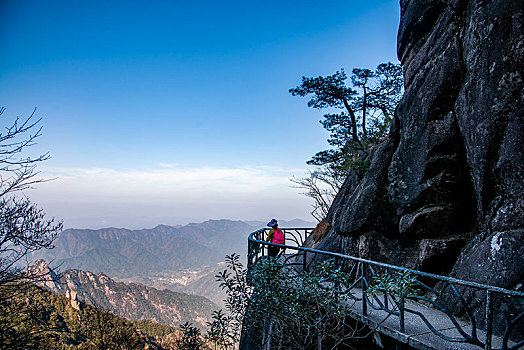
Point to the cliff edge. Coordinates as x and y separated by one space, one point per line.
444 192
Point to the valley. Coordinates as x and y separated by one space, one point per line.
196 280
176 259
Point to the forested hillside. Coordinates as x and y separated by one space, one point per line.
36 318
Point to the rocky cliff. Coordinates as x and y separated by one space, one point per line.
444 193
133 301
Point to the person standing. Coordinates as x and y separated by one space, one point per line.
275 235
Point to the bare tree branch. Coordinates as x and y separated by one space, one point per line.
23 226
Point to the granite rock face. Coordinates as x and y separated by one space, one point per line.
445 192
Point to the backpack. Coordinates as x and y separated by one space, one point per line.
278 237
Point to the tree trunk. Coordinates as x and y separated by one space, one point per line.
364 108
353 120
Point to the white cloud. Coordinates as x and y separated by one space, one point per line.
167 165
100 196
165 182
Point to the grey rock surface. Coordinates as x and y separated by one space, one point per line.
447 185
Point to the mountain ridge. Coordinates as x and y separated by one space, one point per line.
120 252
124 252
132 301
180 258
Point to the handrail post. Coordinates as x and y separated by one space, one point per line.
489 319
304 262
364 288
401 313
304 237
386 301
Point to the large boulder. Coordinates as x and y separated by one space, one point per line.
444 193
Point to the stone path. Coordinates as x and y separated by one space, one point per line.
417 334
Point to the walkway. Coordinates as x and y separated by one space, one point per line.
414 322
416 333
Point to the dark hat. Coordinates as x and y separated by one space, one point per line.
272 223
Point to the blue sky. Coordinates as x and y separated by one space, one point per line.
176 111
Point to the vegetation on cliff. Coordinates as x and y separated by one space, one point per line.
365 113
273 304
35 318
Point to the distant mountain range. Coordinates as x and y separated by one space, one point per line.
132 301
122 253
180 258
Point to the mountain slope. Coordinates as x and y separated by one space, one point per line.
124 253
132 301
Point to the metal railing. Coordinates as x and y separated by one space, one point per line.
432 291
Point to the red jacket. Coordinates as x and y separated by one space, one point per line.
276 236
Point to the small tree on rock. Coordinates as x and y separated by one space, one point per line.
362 119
